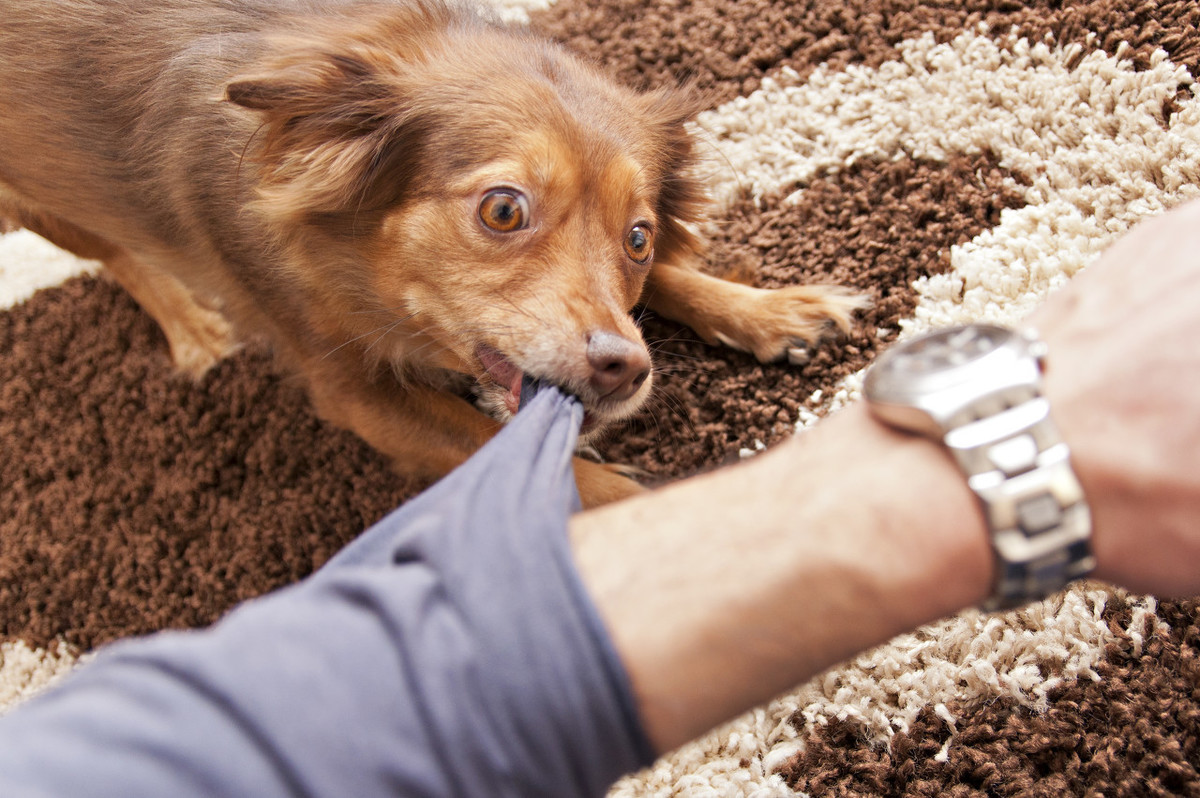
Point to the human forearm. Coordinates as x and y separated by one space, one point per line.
772 571
724 590
446 651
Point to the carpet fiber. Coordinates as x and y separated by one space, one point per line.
955 161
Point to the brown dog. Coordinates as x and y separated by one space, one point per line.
411 202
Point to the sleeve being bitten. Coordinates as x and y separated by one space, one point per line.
449 651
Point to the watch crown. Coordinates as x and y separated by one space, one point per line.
1037 347
978 389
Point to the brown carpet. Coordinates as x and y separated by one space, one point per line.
954 160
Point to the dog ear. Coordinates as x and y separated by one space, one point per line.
337 135
302 80
683 199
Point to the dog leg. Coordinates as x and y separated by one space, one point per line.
197 335
769 323
425 432
602 484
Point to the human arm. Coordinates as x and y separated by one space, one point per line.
1125 383
767 573
717 593
447 651
722 591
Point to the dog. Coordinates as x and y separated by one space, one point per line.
416 205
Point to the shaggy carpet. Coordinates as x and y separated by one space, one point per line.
955 161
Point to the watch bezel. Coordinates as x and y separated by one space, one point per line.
904 391
987 408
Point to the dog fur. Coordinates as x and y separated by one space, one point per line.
409 200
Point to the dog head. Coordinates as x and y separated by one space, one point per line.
476 199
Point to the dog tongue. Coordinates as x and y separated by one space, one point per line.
504 373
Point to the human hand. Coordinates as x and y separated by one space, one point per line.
1124 381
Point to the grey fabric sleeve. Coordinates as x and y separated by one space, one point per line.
450 651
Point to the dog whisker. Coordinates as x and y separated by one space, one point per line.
372 311
662 345
661 351
672 407
385 334
385 328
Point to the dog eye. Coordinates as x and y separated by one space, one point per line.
639 243
504 210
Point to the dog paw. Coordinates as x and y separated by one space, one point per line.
787 322
199 339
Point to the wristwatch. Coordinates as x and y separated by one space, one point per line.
978 389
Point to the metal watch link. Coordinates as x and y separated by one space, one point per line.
978 390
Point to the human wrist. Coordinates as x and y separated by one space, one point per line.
723 590
978 390
1123 440
1123 379
933 518
1137 504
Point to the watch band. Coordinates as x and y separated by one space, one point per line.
978 389
1018 466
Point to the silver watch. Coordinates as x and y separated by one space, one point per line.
978 389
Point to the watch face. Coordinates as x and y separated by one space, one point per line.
923 383
946 349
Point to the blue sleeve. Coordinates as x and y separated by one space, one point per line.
449 651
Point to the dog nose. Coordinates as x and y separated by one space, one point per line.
619 366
